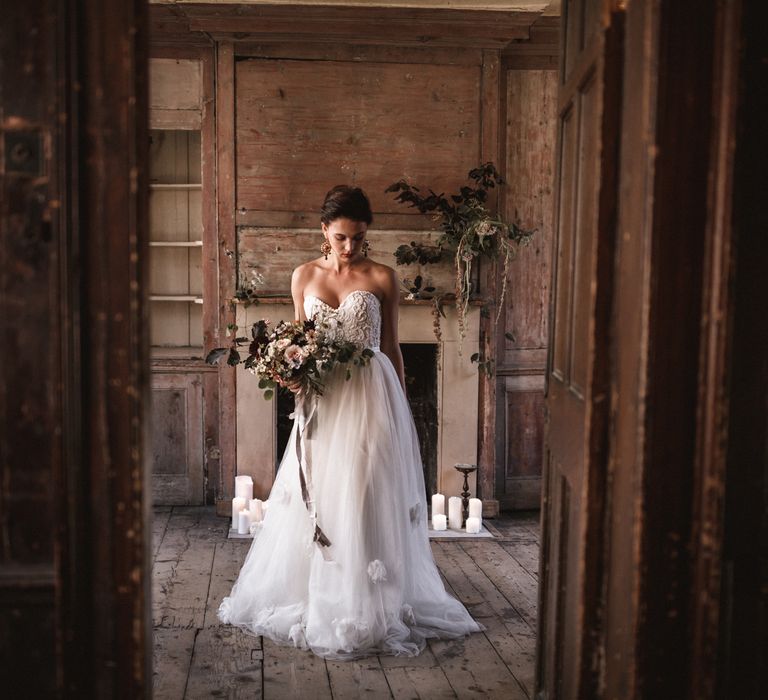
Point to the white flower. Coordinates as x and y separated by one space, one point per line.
349 632
296 635
406 612
486 228
377 571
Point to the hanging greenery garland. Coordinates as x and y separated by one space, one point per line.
469 232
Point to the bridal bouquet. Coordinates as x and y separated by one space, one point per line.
290 351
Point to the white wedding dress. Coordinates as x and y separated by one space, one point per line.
375 588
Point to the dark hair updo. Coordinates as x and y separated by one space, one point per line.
345 202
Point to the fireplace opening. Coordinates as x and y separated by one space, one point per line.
420 362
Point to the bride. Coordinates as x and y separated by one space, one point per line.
374 588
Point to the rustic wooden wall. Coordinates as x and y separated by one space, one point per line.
306 125
529 103
295 118
311 117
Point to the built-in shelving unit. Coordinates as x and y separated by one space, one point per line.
176 280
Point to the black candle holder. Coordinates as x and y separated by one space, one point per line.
466 470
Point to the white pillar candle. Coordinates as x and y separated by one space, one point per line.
244 487
237 505
257 512
475 508
438 504
244 523
439 522
473 525
454 513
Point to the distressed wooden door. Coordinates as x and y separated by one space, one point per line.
577 366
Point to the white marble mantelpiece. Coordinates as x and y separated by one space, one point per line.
457 396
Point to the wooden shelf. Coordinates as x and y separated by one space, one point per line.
175 186
175 244
175 297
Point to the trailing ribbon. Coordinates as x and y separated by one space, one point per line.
304 415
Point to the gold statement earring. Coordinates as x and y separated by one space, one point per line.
325 248
366 246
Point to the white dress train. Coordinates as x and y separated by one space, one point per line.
376 588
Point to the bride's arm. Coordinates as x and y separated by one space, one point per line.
297 293
390 344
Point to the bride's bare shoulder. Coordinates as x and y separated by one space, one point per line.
384 274
303 273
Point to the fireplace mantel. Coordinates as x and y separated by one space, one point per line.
457 396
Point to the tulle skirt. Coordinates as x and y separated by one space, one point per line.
376 588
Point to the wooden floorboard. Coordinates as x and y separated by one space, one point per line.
195 656
293 673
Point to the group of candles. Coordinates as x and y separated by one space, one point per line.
247 511
455 517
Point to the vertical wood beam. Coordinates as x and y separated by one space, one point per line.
490 89
227 264
211 437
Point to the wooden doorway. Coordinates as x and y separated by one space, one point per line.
577 378
75 501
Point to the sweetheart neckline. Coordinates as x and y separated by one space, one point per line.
343 301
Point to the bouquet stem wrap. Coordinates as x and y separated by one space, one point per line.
304 413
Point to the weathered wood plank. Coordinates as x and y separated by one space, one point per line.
175 84
416 677
472 664
293 673
227 242
408 683
182 570
160 518
226 662
352 679
510 635
527 555
267 257
416 121
173 649
227 561
512 580
372 53
210 264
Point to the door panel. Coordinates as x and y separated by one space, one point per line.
568 665
530 114
177 439
564 187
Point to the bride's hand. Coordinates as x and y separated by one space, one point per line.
293 384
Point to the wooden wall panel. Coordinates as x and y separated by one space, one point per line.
523 434
304 126
530 107
177 442
267 256
530 127
175 93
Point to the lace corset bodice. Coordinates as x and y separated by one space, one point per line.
357 318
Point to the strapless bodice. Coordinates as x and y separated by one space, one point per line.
357 319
